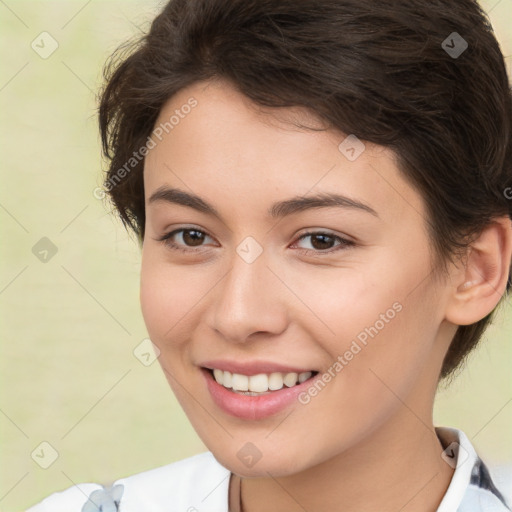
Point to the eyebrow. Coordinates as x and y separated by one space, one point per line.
277 210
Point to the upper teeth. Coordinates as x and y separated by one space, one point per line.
259 383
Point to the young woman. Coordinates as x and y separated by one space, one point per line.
322 192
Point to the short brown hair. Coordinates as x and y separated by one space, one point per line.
380 70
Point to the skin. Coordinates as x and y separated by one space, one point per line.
366 442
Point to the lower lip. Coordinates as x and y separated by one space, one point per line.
253 407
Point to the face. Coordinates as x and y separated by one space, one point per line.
239 278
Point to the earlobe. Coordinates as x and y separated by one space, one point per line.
481 282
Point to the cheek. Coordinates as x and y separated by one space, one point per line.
166 296
389 354
172 299
154 297
378 329
348 303
370 384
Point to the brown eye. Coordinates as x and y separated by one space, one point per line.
190 238
321 242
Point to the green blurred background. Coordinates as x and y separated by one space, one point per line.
70 325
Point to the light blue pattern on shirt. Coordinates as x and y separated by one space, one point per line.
104 500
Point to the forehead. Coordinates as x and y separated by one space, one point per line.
229 150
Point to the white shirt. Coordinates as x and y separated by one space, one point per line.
201 484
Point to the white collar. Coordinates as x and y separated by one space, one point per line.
464 458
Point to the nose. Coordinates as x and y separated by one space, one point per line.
250 299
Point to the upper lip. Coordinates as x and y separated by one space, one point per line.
252 367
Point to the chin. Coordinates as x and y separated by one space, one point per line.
275 464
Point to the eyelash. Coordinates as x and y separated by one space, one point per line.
344 243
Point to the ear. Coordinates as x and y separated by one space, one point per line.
478 286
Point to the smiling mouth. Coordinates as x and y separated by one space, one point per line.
260 384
